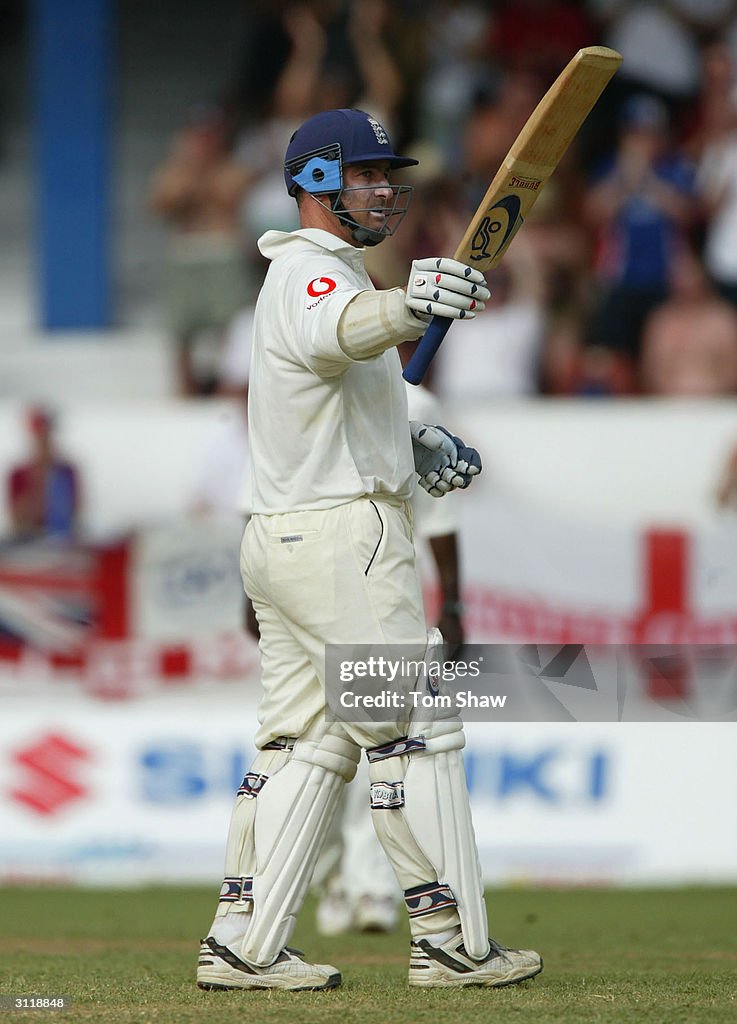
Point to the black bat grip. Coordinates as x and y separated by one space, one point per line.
428 345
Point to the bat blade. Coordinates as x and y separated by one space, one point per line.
535 153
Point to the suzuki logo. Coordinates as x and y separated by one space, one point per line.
550 775
50 767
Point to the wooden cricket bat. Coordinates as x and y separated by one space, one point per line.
535 154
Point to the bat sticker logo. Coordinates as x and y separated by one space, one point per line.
503 219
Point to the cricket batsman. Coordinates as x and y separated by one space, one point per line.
328 558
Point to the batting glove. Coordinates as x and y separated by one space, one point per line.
443 462
468 464
444 287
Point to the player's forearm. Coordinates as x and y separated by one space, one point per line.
445 553
450 621
372 322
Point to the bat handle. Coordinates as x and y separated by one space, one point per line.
428 345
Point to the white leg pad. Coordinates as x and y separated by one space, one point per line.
438 814
422 816
276 835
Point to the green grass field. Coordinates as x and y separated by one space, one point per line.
610 956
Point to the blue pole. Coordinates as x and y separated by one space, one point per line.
71 42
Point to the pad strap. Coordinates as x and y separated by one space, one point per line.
404 745
281 743
427 899
236 890
252 785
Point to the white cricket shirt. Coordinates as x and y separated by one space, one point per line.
324 428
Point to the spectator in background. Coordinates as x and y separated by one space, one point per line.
261 142
640 205
705 19
302 56
197 192
715 140
690 341
334 55
456 69
263 51
660 50
43 493
712 115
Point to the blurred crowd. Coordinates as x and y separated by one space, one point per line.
624 279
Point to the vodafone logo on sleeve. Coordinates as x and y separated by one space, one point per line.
321 286
318 288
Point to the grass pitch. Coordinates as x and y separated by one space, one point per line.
610 956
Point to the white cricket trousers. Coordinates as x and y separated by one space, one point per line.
345 575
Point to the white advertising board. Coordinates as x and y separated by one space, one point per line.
142 792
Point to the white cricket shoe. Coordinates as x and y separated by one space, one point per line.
334 914
450 966
376 914
219 968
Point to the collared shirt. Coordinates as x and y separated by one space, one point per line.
324 428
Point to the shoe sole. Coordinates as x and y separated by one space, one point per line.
460 983
333 981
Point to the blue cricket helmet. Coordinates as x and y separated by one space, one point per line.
325 143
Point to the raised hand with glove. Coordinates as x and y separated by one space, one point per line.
439 286
374 321
442 461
